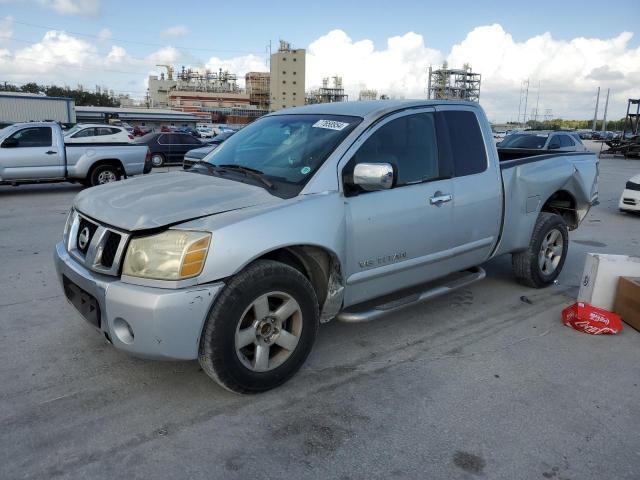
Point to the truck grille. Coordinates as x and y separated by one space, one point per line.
98 247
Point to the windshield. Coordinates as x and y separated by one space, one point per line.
285 149
523 140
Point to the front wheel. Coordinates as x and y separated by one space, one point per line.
542 262
261 329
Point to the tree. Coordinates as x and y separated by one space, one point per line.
79 96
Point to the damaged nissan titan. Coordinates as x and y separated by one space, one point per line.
346 211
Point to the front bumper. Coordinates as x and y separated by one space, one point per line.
630 200
147 322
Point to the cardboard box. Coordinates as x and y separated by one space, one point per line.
600 278
627 303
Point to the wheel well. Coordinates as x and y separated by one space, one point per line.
315 263
114 162
564 204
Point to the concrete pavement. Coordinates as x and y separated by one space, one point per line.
477 384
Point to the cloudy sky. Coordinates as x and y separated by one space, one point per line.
565 49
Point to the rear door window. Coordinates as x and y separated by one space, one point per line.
103 131
460 142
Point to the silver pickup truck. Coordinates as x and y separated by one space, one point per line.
35 152
344 210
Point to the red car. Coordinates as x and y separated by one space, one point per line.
140 131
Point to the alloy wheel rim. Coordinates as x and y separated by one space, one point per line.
550 252
106 177
156 160
268 331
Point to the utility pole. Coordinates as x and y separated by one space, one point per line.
595 115
526 99
537 102
606 104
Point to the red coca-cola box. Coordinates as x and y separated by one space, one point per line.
593 320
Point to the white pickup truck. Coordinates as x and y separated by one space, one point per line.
35 152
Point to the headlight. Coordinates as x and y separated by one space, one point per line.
67 227
170 255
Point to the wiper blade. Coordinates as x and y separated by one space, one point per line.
252 172
209 167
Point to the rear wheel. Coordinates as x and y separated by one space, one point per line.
158 160
104 174
542 262
261 329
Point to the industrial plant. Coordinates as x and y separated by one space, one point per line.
453 84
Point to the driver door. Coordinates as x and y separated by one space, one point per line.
399 237
30 153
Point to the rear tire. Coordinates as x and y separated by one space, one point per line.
158 160
542 262
261 328
103 174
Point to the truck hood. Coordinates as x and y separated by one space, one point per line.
163 199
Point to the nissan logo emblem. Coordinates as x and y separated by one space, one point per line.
83 238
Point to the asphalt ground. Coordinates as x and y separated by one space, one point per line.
476 384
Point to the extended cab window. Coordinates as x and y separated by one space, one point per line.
566 141
461 143
30 137
409 144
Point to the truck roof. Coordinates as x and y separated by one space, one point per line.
368 108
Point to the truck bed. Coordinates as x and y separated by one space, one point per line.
530 182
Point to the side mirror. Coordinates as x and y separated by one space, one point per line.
373 176
10 143
554 145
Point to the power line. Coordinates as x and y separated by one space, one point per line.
123 40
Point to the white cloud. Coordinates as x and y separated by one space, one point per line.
74 7
175 31
6 29
569 71
90 8
399 70
104 34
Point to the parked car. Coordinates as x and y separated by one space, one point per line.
97 133
193 156
37 152
190 131
168 148
166 129
531 141
499 134
346 210
205 132
630 198
139 131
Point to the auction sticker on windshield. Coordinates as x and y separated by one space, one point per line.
330 124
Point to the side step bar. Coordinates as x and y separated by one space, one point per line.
435 289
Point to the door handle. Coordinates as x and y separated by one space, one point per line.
439 198
50 152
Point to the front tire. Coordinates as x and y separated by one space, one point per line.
261 328
542 262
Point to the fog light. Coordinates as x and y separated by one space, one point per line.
123 330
